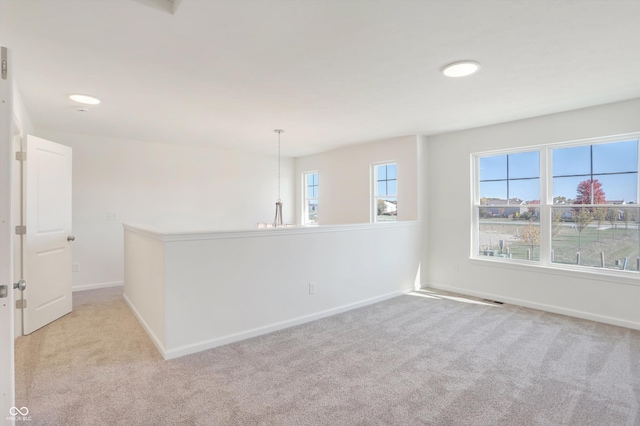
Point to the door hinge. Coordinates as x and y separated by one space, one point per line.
5 65
21 156
21 230
21 304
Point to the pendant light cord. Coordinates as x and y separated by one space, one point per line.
279 131
278 166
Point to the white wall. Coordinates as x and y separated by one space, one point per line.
223 287
20 113
158 184
449 214
145 284
344 193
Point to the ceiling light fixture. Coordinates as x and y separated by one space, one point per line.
85 99
461 69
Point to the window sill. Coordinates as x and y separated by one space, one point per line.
588 273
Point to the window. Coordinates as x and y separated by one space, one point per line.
594 215
509 196
385 193
310 183
582 213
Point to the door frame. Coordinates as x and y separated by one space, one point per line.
17 186
7 369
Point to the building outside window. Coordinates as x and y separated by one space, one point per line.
385 193
570 205
310 215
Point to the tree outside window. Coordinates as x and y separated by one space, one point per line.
589 205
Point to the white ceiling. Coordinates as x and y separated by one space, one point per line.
329 72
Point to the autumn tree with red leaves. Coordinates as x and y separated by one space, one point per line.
590 192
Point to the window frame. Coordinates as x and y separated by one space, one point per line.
374 191
305 198
546 206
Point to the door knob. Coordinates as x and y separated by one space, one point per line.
20 285
71 238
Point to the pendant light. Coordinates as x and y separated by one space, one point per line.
277 221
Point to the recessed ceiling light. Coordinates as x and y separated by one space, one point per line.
85 99
461 68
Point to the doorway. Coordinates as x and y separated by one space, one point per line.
42 248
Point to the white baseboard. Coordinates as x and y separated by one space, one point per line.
231 338
144 325
540 306
97 285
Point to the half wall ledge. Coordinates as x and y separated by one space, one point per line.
193 291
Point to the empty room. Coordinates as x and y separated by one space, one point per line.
314 212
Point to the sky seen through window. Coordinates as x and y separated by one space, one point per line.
614 165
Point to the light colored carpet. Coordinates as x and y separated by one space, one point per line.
412 360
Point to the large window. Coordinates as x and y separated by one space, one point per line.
595 215
310 183
385 192
509 196
566 204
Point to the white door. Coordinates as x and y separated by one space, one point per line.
48 242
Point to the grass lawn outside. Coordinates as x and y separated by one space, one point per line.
617 242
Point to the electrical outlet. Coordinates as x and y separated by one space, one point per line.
111 215
76 267
312 288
